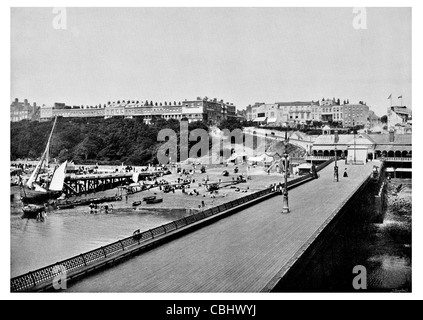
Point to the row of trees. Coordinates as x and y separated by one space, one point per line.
85 140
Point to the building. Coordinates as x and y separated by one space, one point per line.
362 147
331 111
202 109
298 112
24 111
373 120
241 115
268 114
210 110
398 117
326 114
338 114
355 115
284 113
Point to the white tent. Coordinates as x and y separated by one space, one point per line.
256 159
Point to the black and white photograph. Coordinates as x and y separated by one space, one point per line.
210 150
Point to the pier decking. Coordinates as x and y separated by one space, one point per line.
79 184
245 252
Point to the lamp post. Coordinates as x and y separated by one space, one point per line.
285 207
354 150
335 169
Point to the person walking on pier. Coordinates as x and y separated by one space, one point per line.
345 173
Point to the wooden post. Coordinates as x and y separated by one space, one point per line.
83 259
104 252
123 247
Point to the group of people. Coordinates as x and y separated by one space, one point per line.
277 187
94 207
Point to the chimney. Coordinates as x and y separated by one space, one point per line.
391 136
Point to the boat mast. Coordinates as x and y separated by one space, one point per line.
47 151
36 172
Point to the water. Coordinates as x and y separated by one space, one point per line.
66 233
388 245
383 249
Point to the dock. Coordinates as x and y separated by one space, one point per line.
245 252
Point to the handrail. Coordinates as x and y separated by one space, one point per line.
30 280
407 159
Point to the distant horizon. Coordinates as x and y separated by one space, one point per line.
240 55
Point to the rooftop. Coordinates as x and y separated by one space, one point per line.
398 138
298 103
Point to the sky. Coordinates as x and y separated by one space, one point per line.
241 55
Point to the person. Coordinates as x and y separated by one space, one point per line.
345 173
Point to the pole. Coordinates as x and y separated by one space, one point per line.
354 149
335 169
285 208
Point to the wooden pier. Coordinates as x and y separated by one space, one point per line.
249 251
83 184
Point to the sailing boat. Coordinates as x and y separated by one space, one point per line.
32 192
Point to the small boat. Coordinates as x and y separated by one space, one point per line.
136 203
154 201
66 206
149 198
33 211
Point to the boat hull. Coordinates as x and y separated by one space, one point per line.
154 201
29 196
33 211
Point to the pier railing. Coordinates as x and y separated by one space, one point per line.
34 279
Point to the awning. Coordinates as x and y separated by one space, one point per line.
271 120
304 166
260 119
268 159
256 159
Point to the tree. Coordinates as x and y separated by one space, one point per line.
230 124
384 119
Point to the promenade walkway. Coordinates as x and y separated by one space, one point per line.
240 253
